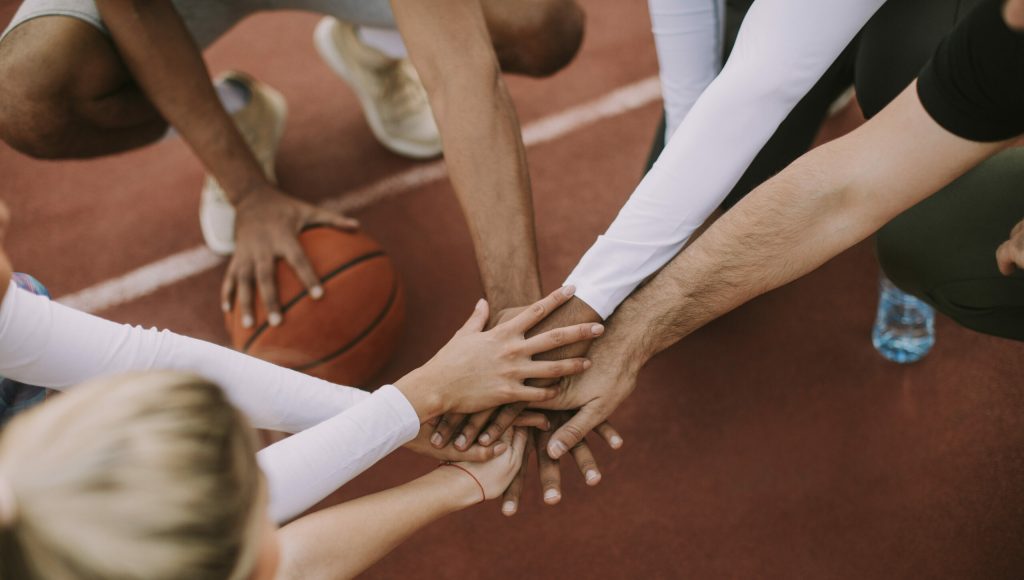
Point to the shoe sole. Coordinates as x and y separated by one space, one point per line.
213 241
324 42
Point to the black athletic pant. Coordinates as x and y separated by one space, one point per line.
943 249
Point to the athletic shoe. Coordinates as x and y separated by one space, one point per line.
261 123
389 90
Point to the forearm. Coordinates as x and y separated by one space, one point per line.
168 66
344 540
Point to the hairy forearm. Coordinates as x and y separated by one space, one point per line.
342 541
168 66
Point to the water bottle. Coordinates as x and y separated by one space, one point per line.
905 326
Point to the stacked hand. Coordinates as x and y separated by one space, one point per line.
1010 254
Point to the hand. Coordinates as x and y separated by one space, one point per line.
422 445
496 474
266 228
480 370
596 393
549 470
575 311
1010 255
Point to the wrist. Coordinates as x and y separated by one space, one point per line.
463 490
418 389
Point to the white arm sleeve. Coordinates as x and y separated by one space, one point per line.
305 468
47 344
688 38
783 48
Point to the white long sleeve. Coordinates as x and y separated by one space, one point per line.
47 344
688 37
783 48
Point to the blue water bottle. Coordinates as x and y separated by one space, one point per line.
905 326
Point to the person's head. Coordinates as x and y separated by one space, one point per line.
140 476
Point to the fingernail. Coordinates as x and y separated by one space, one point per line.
568 290
556 449
616 441
275 319
247 321
317 292
508 508
485 439
587 364
551 496
596 330
460 441
480 304
500 448
592 476
225 307
546 426
436 439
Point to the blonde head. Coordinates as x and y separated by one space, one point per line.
140 476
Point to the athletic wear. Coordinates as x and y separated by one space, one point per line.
974 85
783 48
16 396
45 343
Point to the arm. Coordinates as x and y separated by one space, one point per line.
164 60
449 44
825 202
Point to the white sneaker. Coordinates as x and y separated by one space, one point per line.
389 90
261 123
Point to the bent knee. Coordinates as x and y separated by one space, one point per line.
545 40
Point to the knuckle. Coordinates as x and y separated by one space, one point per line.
575 433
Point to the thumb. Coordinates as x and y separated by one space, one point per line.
326 217
478 320
1004 258
574 430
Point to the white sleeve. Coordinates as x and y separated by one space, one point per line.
688 38
307 467
47 344
783 48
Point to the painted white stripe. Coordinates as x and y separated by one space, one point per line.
173 269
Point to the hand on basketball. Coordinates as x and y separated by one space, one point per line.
480 369
267 226
1010 254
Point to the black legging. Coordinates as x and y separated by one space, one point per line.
942 249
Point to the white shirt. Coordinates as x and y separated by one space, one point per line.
341 431
783 48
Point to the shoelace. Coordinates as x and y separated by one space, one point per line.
401 89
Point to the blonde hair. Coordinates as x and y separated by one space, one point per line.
140 476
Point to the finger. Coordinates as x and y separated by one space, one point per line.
553 369
446 427
474 454
478 320
519 443
329 218
574 430
550 475
1005 258
510 499
501 422
267 287
562 336
587 464
472 428
530 419
610 435
539 310
244 292
297 259
227 290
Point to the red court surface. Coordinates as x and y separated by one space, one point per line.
774 443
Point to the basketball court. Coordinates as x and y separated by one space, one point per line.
774 443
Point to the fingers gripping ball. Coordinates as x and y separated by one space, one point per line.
347 335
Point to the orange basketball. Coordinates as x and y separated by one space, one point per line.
350 333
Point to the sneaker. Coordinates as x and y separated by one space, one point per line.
389 90
261 123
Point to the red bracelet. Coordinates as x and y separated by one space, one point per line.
483 494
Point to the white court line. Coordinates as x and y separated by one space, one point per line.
173 269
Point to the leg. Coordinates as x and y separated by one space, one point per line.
534 37
66 93
943 249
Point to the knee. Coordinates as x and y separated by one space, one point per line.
32 119
901 259
545 40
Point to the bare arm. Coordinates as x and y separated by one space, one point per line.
825 202
450 46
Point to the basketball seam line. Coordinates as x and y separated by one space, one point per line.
305 292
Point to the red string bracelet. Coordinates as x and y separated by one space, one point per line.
483 494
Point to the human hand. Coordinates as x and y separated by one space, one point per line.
422 445
549 469
494 475
480 369
1010 254
267 226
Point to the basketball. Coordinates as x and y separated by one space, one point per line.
349 334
